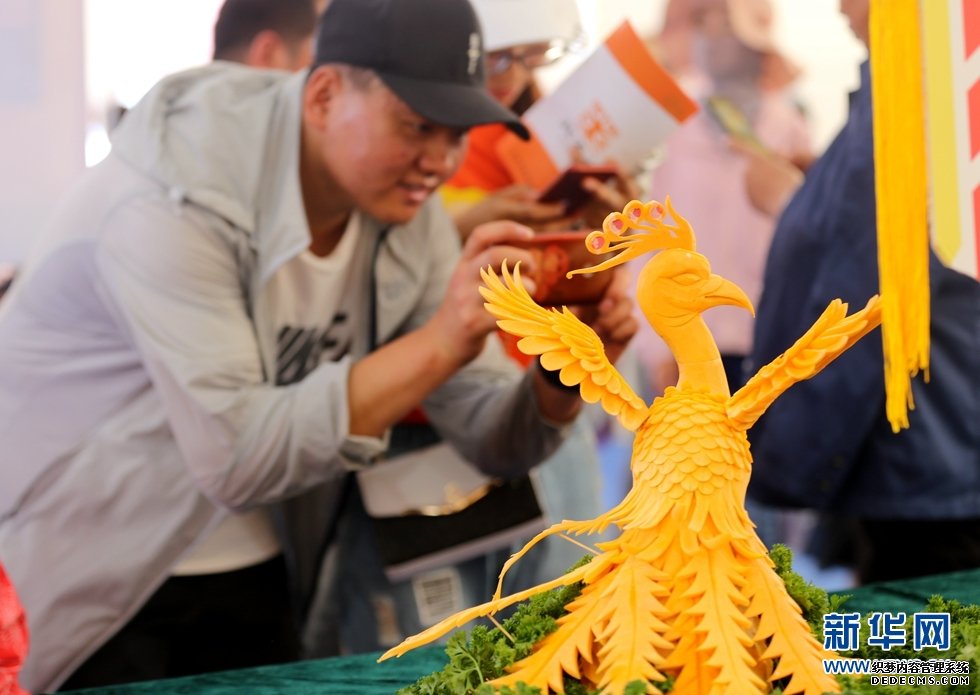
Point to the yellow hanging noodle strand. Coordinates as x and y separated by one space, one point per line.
897 94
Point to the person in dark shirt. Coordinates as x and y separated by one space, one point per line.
826 444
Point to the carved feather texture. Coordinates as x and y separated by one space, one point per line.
790 643
458 620
687 589
559 653
831 334
718 612
632 626
563 344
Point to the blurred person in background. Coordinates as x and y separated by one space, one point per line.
521 36
274 34
269 34
826 444
723 49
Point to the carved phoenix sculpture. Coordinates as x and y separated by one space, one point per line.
687 590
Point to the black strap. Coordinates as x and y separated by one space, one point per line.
553 379
344 499
373 292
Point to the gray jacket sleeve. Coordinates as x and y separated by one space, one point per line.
488 410
171 275
493 419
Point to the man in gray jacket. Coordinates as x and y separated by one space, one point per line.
233 309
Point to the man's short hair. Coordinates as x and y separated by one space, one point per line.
239 21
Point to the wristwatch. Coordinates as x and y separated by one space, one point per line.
554 380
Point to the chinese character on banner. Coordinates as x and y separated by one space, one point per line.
597 126
930 630
841 631
887 630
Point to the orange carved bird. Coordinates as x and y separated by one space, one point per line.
687 589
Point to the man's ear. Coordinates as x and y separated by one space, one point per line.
267 50
322 87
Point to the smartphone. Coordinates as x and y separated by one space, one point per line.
733 121
567 187
556 253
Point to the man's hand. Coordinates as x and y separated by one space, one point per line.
614 322
607 196
462 323
613 318
387 383
517 203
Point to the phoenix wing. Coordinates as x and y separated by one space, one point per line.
831 334
563 344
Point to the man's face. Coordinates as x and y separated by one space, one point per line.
380 153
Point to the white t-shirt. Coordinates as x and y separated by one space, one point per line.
316 303
315 300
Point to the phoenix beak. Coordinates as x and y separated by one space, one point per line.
719 292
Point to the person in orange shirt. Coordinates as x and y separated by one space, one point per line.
521 36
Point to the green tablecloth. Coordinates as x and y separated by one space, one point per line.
360 675
910 595
350 675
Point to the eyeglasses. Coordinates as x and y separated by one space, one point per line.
530 57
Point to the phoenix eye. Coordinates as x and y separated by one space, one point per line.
687 278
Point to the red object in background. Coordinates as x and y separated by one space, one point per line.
13 637
971 26
555 253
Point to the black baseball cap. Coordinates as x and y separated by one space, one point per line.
428 52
